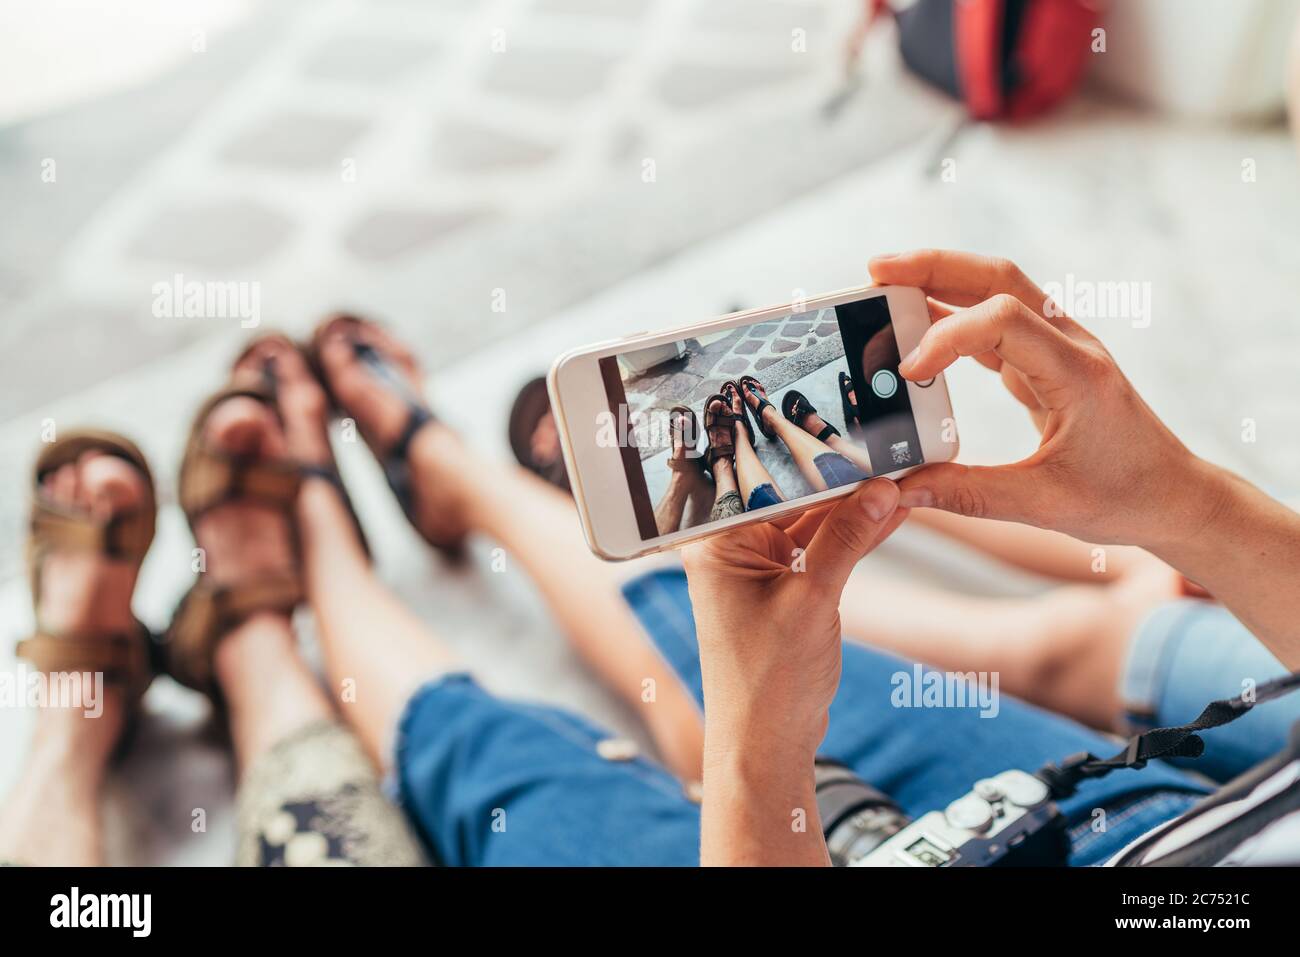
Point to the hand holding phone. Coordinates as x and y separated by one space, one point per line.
766 602
1105 458
675 436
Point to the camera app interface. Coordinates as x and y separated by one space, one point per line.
743 419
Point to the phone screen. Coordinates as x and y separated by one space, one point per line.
836 412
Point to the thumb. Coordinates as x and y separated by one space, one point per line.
1005 492
851 530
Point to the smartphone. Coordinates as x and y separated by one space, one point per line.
648 472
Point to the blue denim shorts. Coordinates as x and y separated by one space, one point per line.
837 470
1190 652
492 782
762 496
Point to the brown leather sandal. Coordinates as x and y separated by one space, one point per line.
125 659
683 423
212 477
712 420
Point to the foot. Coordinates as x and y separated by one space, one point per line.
683 436
304 407
86 592
721 432
244 539
736 402
812 423
755 393
544 443
1082 641
440 463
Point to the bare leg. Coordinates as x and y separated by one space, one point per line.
268 689
750 471
373 645
671 508
687 485
700 503
1036 550
1062 650
724 478
51 817
803 447
536 524
814 424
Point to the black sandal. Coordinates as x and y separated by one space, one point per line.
729 386
796 407
847 405
747 386
532 404
691 462
712 419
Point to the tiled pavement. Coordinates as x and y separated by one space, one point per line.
461 169
776 352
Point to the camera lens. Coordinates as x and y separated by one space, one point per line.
856 818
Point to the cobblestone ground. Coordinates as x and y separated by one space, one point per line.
777 352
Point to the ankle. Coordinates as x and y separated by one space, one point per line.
259 644
440 458
73 745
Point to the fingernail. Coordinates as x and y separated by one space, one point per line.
908 359
916 498
881 256
879 498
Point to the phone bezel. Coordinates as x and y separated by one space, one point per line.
596 472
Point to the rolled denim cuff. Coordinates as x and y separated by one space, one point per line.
1146 667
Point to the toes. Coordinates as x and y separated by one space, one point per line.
290 365
60 486
397 350
545 441
108 485
245 427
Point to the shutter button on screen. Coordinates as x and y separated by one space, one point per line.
883 383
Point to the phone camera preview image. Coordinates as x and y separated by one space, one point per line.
743 419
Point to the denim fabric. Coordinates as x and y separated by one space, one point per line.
490 782
1190 652
497 783
925 757
762 496
837 470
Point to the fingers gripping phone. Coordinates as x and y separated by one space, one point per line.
669 437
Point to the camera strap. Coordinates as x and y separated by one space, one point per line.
1180 742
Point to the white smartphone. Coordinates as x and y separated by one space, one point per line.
649 473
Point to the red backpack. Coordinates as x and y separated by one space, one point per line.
1005 59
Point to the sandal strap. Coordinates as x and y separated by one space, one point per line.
827 432
210 478
111 654
418 417
123 658
688 464
126 536
209 612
